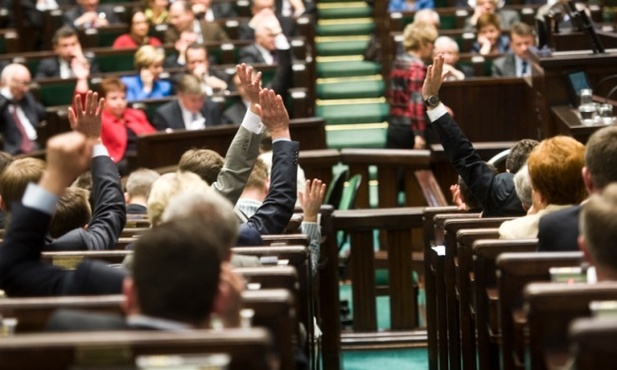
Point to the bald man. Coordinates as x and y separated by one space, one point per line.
20 113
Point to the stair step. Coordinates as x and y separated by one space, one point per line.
353 26
350 87
352 111
347 68
344 10
372 135
341 48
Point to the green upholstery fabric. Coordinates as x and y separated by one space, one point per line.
356 138
60 93
351 89
117 62
347 69
353 113
345 12
341 48
346 29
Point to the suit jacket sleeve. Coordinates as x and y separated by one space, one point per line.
495 192
274 214
109 214
497 68
22 273
281 81
239 161
159 122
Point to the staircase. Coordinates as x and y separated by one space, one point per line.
349 90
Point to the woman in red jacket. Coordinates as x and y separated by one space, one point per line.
138 32
121 125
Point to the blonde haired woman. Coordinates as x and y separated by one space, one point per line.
146 84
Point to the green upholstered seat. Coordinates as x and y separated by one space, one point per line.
116 62
344 10
346 28
353 113
341 47
347 69
356 138
355 89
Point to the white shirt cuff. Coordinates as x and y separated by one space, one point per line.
281 42
40 199
437 112
99 150
252 122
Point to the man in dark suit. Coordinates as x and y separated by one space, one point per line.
181 18
191 111
558 231
137 190
89 14
516 62
261 9
496 193
21 113
268 39
68 52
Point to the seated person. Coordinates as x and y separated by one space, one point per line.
447 47
192 110
157 12
147 83
555 170
516 62
121 125
524 190
428 16
137 33
137 191
490 40
68 52
261 10
235 112
20 112
72 212
197 64
89 14
269 42
409 5
178 59
182 18
506 17
462 196
496 193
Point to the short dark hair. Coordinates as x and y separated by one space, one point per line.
63 33
176 271
601 156
17 175
72 212
204 162
598 224
521 29
519 154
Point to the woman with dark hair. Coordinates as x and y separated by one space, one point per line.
138 32
157 11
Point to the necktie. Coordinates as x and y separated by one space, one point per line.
274 57
26 145
524 68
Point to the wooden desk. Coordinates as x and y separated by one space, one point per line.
569 123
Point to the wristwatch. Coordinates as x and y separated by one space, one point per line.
432 101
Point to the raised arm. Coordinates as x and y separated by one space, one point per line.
311 200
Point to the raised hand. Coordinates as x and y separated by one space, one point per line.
251 82
68 156
434 78
312 198
273 114
87 119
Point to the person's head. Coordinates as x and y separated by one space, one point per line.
428 16
210 209
259 5
601 159
139 183
598 231
176 268
16 78
204 162
181 15
485 6
447 47
555 169
15 179
66 43
523 188
114 92
418 38
522 38
266 32
5 160
518 154
151 58
196 55
488 25
88 5
168 186
190 93
139 26
72 212
259 178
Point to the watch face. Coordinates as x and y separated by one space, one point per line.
432 100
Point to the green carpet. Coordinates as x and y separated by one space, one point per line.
399 359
